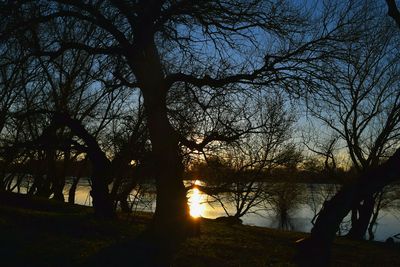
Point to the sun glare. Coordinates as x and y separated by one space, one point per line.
196 204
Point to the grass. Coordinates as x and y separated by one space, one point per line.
45 233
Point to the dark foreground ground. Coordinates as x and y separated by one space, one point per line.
44 233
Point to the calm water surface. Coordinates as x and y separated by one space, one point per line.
298 215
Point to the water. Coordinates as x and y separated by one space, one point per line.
288 206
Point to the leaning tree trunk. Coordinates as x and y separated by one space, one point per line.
315 250
102 202
375 213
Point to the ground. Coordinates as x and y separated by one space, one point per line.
46 233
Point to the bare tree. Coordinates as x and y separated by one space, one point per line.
315 250
246 163
16 72
361 103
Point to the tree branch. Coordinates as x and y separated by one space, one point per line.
208 139
206 80
393 11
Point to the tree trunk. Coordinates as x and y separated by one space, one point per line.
49 144
75 181
171 218
43 184
171 222
122 197
315 250
378 200
102 202
172 211
59 183
58 187
360 226
72 190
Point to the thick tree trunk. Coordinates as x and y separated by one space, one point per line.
172 211
171 218
102 202
43 186
315 250
49 144
171 221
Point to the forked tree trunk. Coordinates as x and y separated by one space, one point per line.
102 202
315 250
365 211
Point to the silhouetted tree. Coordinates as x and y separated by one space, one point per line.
315 250
15 74
251 158
361 103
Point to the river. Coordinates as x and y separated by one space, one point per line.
288 206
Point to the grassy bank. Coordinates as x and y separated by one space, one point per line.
44 233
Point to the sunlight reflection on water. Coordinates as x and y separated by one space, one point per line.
388 223
196 200
196 203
